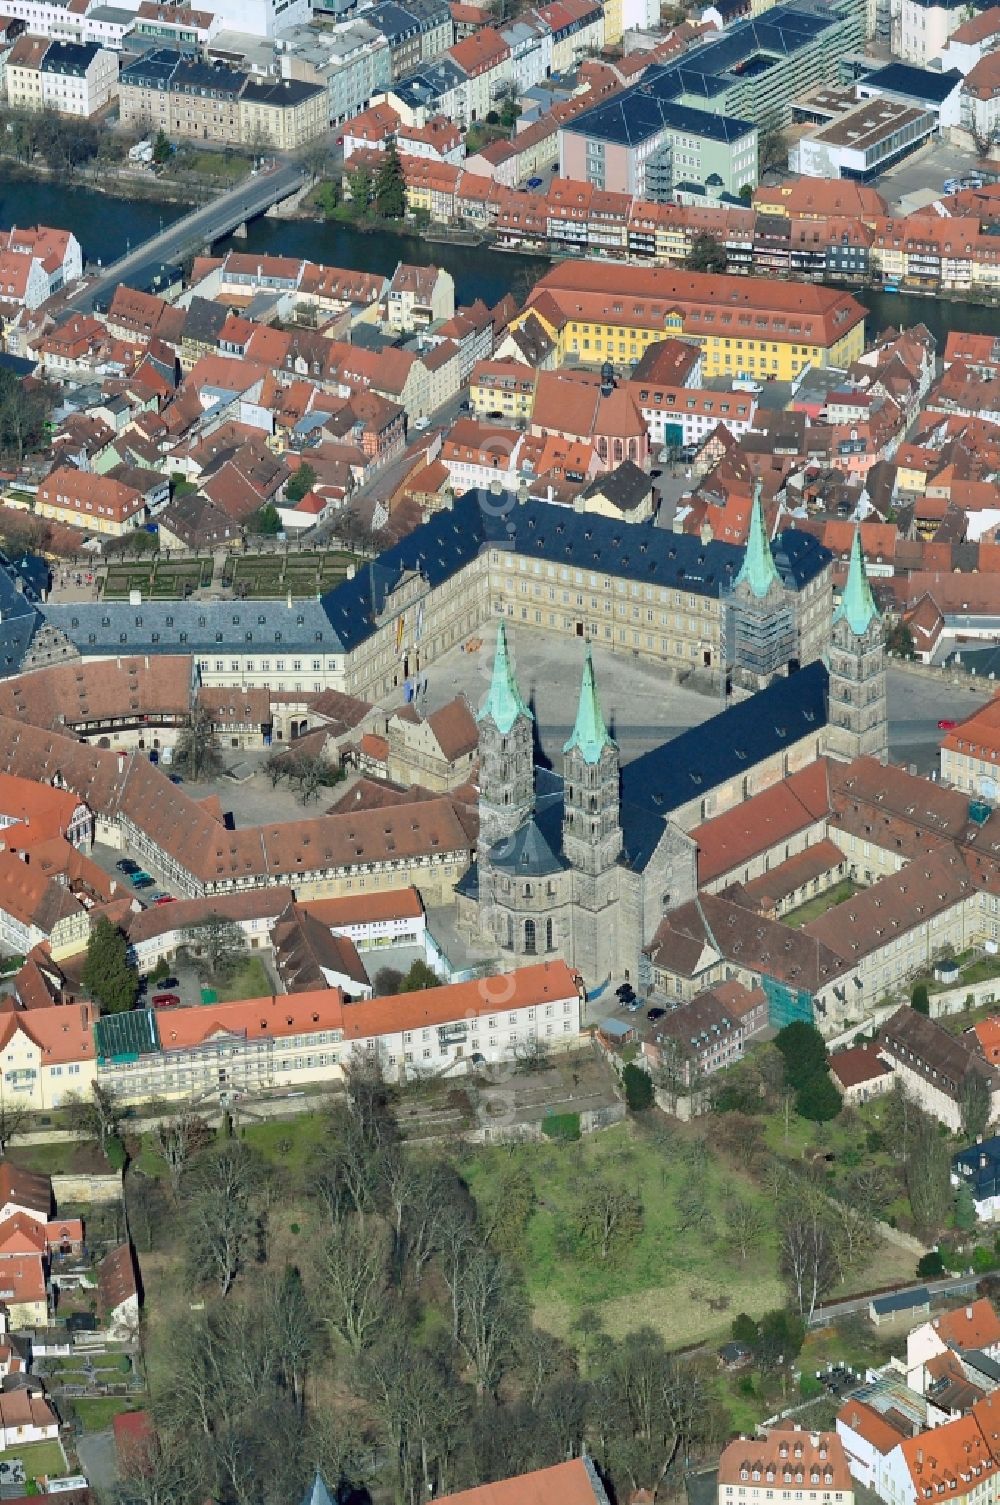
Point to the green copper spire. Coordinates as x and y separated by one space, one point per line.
503 703
590 734
857 604
758 569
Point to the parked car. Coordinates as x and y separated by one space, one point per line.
164 899
139 879
127 866
534 183
626 994
946 726
655 1013
175 778
168 983
166 1001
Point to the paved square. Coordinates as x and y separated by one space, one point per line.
641 705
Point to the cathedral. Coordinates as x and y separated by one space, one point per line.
584 865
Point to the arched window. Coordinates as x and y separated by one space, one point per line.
529 937
548 935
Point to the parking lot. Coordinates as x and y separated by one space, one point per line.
927 169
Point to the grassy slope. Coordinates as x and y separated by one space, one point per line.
669 1278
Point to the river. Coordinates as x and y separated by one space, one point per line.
105 226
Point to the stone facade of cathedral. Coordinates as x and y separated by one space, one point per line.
585 867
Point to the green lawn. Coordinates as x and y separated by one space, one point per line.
813 908
287 1144
97 1415
38 1458
664 1278
251 981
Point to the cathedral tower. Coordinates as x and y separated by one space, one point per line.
762 637
592 836
506 754
858 722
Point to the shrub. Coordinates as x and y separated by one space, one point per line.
638 1086
984 1260
115 1154
810 1387
919 998
930 1265
745 1330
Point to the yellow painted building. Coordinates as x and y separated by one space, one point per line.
502 387
744 325
614 27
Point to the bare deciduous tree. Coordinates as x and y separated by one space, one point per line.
355 1266
222 1212
489 1316
744 1224
611 1216
806 1250
177 1139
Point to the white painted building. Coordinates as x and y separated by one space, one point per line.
530 44
79 78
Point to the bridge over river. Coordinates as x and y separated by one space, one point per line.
204 225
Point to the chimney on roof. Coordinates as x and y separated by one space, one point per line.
968 1313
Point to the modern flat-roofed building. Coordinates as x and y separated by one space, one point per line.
921 88
864 141
640 144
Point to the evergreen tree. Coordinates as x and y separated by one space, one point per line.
301 482
390 185
707 254
359 186
420 976
107 974
161 148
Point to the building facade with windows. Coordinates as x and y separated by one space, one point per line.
313 1037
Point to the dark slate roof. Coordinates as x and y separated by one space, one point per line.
983 1180
204 320
641 552
16 637
282 91
901 1301
694 763
193 77
527 854
667 777
71 58
427 83
152 71
925 84
17 364
199 627
20 617
627 486
392 20
642 111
